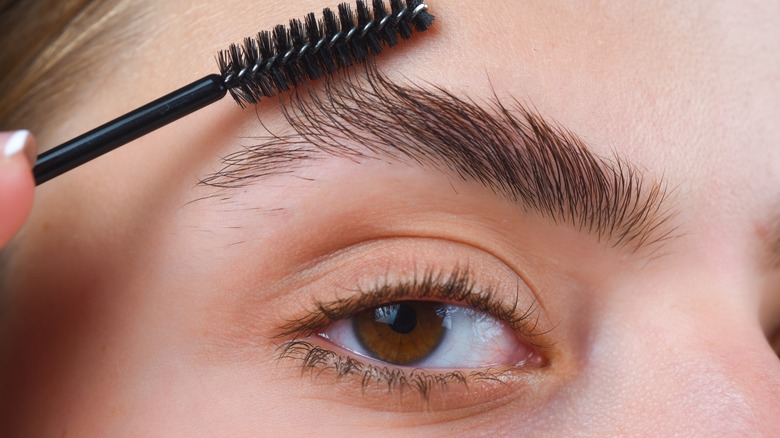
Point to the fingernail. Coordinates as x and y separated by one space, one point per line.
17 142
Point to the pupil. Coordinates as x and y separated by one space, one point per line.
405 318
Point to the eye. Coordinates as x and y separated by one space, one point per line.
429 334
437 338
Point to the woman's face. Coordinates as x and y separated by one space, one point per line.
549 298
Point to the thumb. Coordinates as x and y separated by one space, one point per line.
16 181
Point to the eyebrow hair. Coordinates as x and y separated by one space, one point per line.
513 151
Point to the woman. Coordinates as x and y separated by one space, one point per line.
537 218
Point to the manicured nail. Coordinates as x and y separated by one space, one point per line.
16 143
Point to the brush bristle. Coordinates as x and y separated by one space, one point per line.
273 62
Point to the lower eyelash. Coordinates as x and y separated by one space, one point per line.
312 358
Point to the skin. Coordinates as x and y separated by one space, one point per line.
129 310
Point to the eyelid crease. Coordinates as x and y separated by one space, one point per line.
456 288
513 151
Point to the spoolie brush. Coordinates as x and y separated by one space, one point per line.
263 66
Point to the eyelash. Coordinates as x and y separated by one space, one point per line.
314 358
456 287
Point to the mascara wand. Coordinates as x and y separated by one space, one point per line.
263 66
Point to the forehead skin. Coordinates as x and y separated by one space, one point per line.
687 90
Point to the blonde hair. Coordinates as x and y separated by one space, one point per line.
48 48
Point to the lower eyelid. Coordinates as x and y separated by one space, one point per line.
419 390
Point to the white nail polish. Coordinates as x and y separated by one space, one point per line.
15 143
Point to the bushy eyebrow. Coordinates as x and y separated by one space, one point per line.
512 150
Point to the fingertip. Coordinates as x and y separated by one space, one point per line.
17 186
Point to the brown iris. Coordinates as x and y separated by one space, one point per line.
401 333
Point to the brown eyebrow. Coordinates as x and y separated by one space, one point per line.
513 151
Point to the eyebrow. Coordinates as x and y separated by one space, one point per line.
513 151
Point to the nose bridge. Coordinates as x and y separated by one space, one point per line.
655 366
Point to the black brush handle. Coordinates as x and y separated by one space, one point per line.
129 127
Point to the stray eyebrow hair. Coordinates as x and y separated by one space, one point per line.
513 151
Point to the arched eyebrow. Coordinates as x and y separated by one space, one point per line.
539 165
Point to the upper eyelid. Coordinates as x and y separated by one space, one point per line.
524 321
515 153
